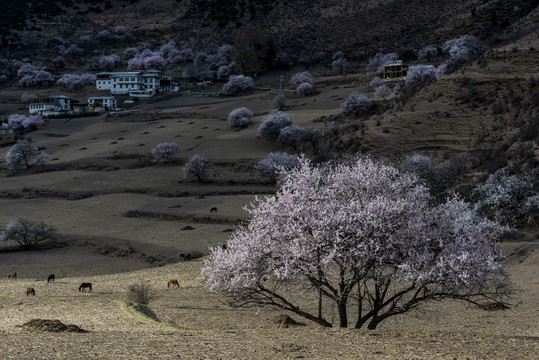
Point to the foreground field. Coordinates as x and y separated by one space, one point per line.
191 323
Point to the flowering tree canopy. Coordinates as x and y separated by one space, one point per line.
420 75
356 104
362 238
19 121
378 61
239 117
464 48
163 152
76 81
276 165
106 62
377 81
199 168
293 135
506 197
304 89
29 76
339 61
382 91
271 126
21 153
279 102
427 53
237 84
301 77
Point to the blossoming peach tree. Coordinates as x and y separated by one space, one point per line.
362 239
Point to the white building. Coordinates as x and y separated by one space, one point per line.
145 83
50 105
102 103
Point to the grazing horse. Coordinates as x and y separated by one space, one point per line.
213 209
30 291
173 282
12 276
85 287
185 257
50 278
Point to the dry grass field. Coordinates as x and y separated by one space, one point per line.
122 220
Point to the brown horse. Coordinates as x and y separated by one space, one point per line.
50 278
185 257
30 291
12 276
173 282
84 287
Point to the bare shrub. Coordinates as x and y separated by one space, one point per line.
27 233
140 294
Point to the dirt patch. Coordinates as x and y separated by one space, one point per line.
52 326
189 218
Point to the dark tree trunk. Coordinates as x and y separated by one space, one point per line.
343 317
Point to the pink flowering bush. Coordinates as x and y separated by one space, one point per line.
163 152
76 81
504 196
339 62
107 62
271 125
301 77
378 61
304 89
293 136
276 165
382 91
199 168
356 104
420 75
427 53
21 154
19 121
239 117
181 56
376 81
238 84
29 76
342 237
70 50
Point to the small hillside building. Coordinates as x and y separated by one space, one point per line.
144 83
102 103
50 105
7 134
397 71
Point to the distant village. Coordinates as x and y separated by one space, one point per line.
135 84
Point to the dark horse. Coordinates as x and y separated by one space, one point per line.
185 257
30 291
85 287
50 278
